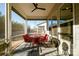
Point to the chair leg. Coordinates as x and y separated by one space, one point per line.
57 51
40 49
30 44
66 53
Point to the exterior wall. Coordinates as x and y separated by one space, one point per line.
45 27
45 30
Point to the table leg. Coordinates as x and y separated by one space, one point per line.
38 49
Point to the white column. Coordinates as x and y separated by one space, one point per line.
59 37
9 23
74 41
6 24
59 31
8 28
25 26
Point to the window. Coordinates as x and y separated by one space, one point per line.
62 21
2 20
49 23
17 24
52 23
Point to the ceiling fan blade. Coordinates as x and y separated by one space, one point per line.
35 4
41 8
33 9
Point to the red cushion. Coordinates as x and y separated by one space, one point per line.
27 38
36 40
44 38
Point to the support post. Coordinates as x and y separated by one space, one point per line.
8 29
58 35
74 39
25 26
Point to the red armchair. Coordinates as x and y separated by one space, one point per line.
44 38
27 39
37 41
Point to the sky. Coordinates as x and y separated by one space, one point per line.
2 8
16 18
34 23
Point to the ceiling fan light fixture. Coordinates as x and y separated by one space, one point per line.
67 8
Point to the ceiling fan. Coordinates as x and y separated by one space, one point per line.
35 5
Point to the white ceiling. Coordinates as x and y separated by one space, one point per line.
26 8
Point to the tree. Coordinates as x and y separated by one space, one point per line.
0 13
2 26
17 28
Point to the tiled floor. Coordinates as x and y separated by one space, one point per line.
33 51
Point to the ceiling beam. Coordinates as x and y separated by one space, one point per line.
18 12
